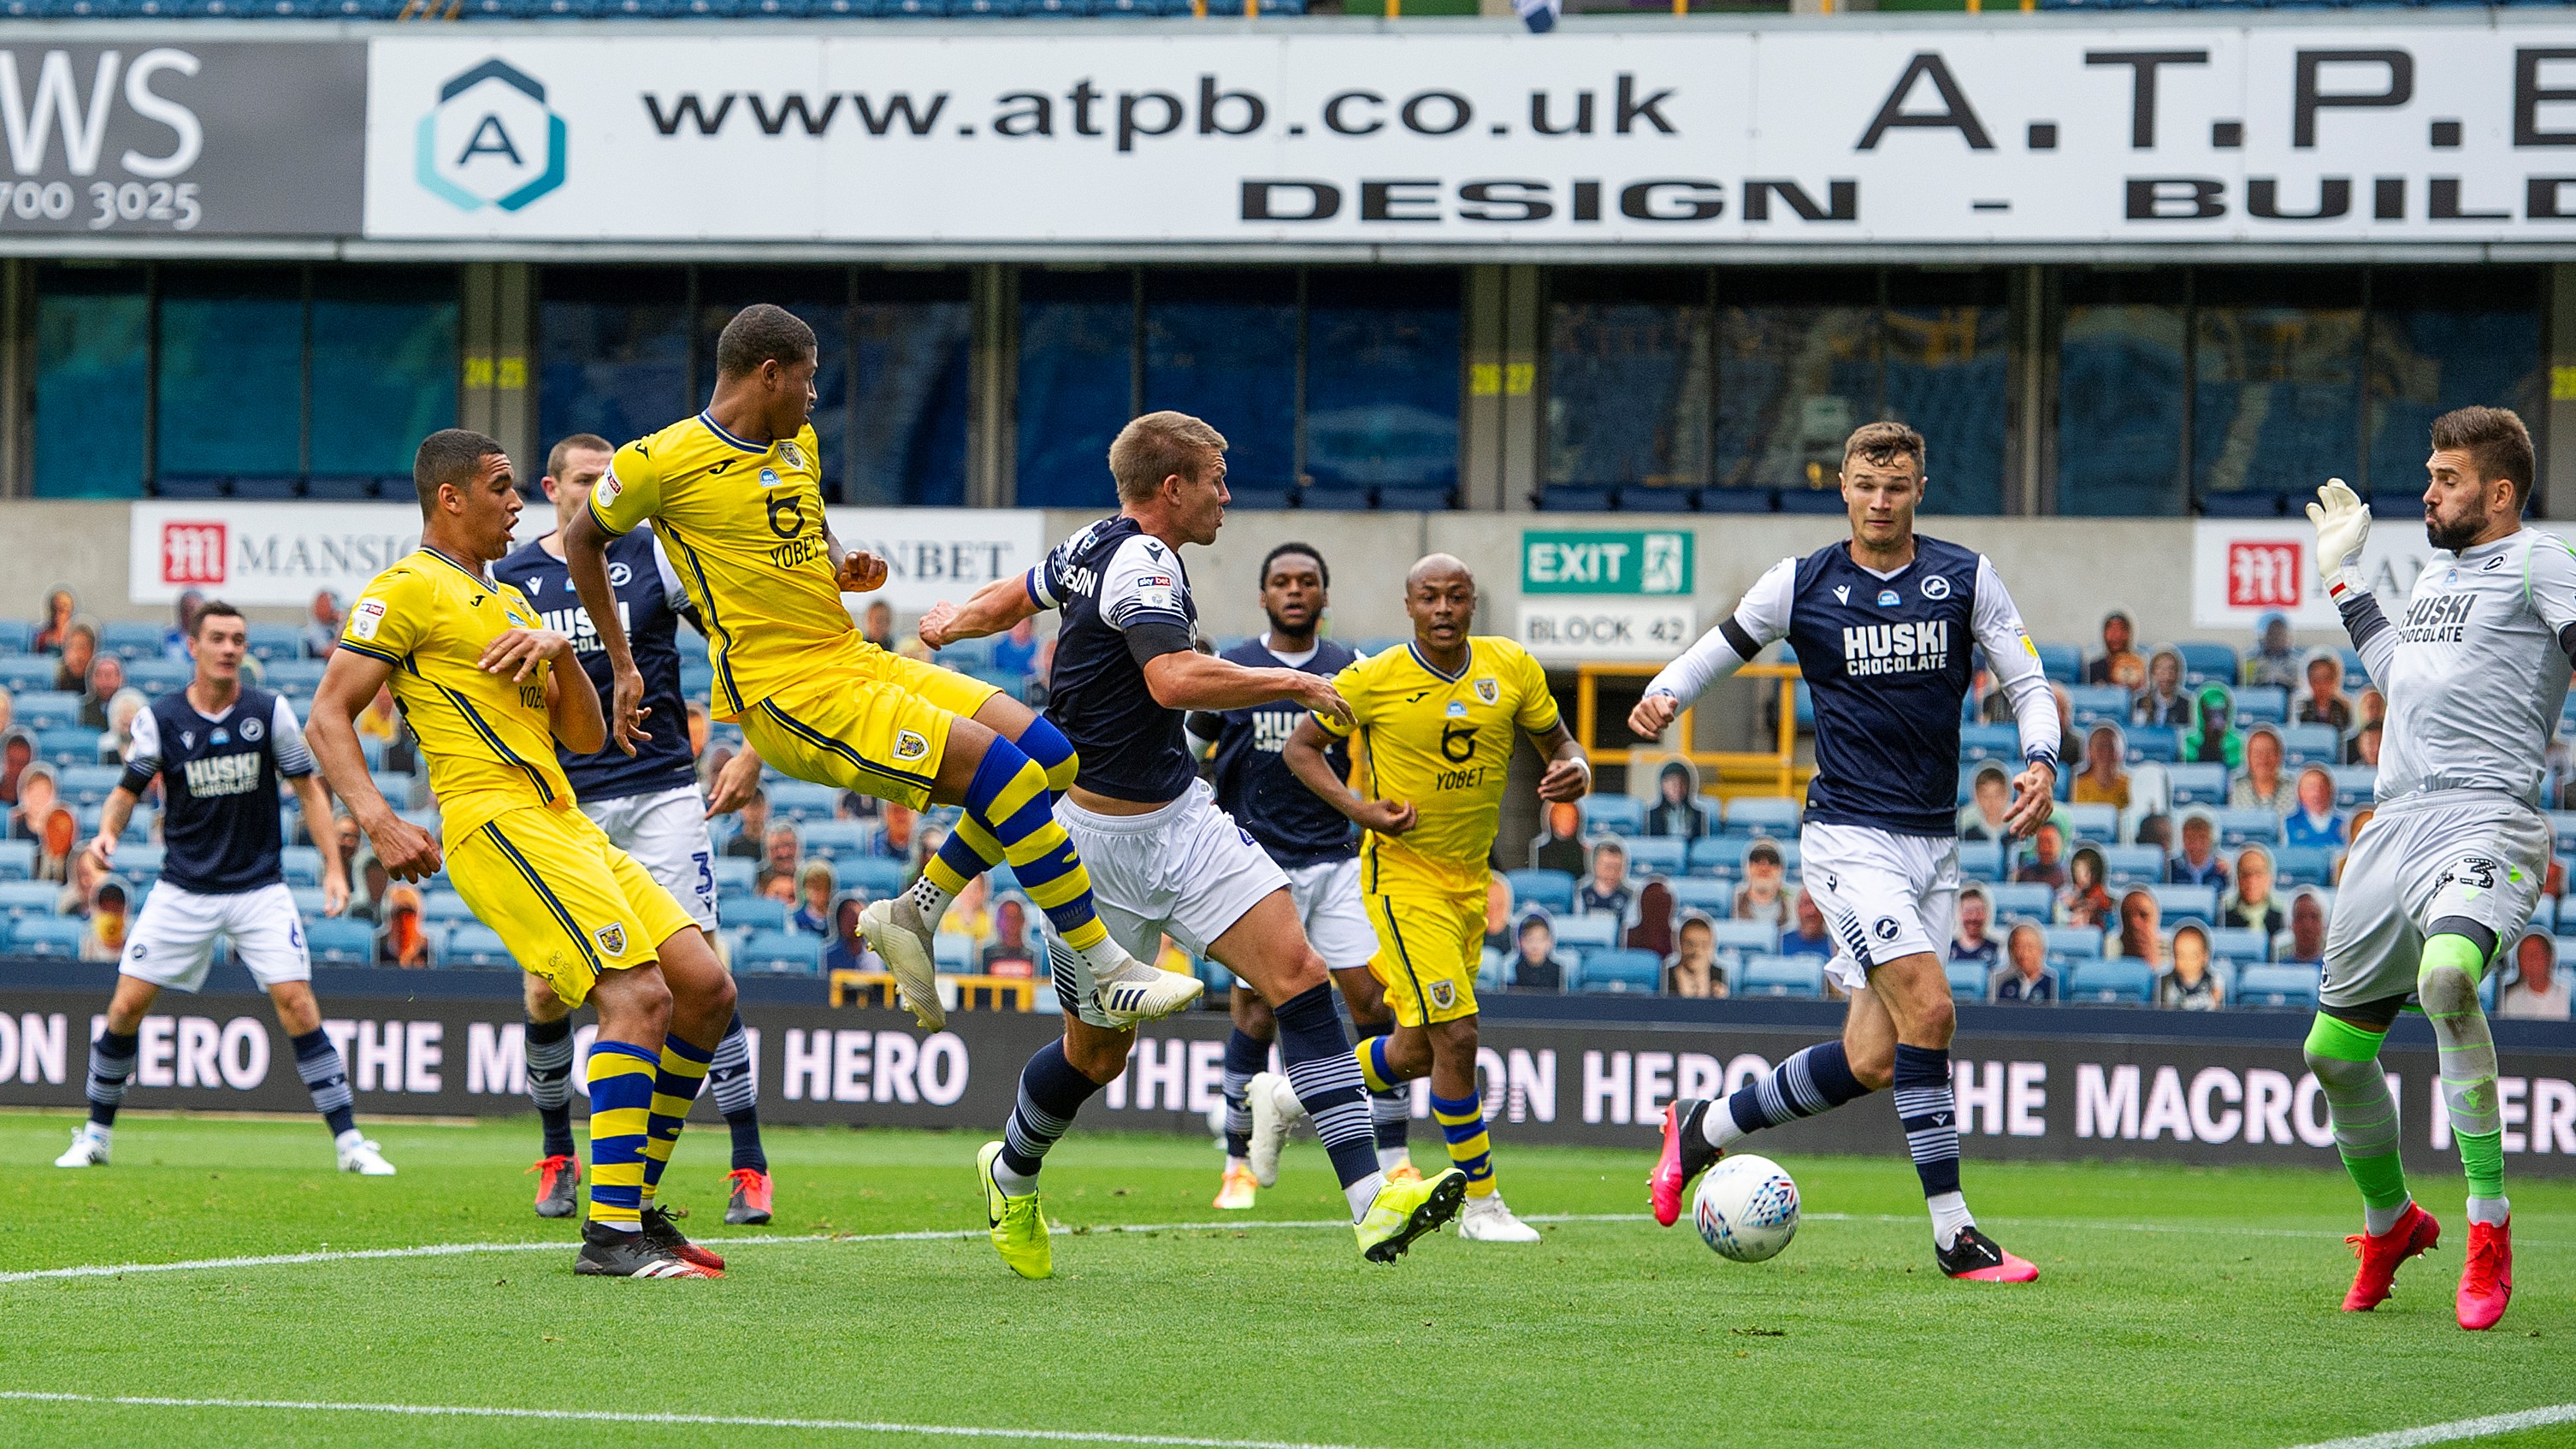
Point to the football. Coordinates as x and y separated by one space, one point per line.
1746 1208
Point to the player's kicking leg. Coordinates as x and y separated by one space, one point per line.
1258 1122
1699 1130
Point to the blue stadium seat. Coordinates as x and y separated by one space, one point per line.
2239 944
872 876
2358 785
45 709
15 635
2248 827
2028 901
302 865
27 671
1620 971
2197 784
2311 744
2303 865
1967 980
2203 661
2187 903
2159 743
2133 864
85 785
444 905
2094 702
1979 743
270 642
471 943
340 941
734 872
28 897
2544 916
1553 889
795 802
131 639
836 840
66 747
2063 663
18 860
1712 898
293 676
1772 815
1746 938
1577 498
1717 855
2095 824
2120 981
140 862
2356 675
2286 985
1801 977
784 953
47 935
953 953
2262 704
1613 814
756 913
1656 855
2073 942
1982 861
1586 933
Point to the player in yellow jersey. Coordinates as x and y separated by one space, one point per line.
489 692
1437 719
736 496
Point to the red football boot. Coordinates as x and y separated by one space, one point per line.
2486 1280
556 1179
749 1200
2380 1253
1686 1155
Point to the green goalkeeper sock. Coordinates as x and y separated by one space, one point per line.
2345 1059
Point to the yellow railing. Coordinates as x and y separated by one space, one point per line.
974 993
1768 772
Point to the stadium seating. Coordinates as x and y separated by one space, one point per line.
18 860
872 877
755 913
2288 986
2072 941
833 840
1613 814
2235 943
2248 827
796 802
339 941
1967 980
1801 977
779 953
1584 933
1653 855
1749 938
47 935
21 898
1619 971
1552 889
2197 785
2187 903
2119 981
471 943
2031 901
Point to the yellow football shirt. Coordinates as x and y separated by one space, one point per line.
1443 745
744 526
489 743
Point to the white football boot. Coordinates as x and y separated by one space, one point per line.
1134 992
894 928
1275 1113
1488 1220
88 1149
362 1157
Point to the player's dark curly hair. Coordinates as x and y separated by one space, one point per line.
449 455
2497 443
1323 570
1881 444
762 333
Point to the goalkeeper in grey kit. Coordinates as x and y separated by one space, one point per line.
2474 671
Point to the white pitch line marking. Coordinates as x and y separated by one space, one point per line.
729 1244
729 1421
2456 1429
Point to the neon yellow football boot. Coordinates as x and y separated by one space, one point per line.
1019 1225
1402 1212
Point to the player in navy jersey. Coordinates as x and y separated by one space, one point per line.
646 801
1316 847
1884 626
219 751
1163 858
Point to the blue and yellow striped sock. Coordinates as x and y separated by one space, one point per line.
1371 1052
683 1072
621 1105
1046 744
1013 814
1462 1122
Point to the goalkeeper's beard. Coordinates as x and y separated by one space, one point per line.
2451 537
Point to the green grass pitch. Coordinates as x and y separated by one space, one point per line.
2175 1306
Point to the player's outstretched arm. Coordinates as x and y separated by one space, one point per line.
349 683
992 610
585 545
2342 522
1569 769
1304 754
1762 617
1187 679
2014 661
112 818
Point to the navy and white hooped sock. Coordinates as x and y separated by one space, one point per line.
1245 1057
1327 1081
111 1067
1815 1080
548 1047
736 1088
318 1063
1929 1114
1051 1092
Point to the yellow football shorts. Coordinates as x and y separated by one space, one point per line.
567 903
850 728
1428 947
959 694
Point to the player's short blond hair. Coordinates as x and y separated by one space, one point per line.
1881 444
1158 445
559 456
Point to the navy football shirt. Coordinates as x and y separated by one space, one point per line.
650 603
219 821
1123 594
1253 782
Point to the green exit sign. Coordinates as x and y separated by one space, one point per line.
1566 561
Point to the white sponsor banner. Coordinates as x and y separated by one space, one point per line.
2242 569
281 553
1572 631
2433 129
933 554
